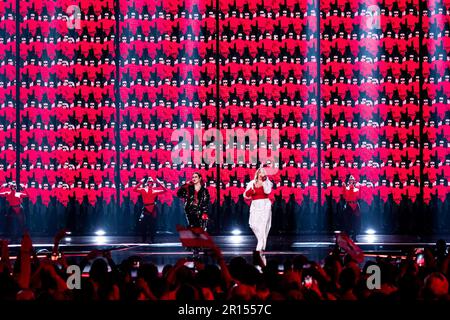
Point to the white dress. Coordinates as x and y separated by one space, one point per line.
261 215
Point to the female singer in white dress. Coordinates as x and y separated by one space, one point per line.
260 220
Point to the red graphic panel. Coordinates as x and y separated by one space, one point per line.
370 93
167 91
68 113
8 92
436 115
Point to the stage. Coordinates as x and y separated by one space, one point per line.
167 248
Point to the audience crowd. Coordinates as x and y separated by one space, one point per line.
415 276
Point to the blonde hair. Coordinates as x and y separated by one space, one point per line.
258 172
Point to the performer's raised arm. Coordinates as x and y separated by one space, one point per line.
183 190
24 193
6 192
162 188
267 185
249 191
139 186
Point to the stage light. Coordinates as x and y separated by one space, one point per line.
236 232
100 239
370 231
68 239
100 232
162 245
236 239
68 232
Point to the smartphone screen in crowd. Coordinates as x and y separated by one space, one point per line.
308 282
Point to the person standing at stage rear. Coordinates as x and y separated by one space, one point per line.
149 190
260 220
352 215
15 218
197 198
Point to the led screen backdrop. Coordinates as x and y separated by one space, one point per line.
97 95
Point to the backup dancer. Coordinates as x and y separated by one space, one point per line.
352 215
149 190
16 220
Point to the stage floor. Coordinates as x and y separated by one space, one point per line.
168 249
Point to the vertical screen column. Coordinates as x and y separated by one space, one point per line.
7 98
67 119
436 116
370 122
268 94
167 92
